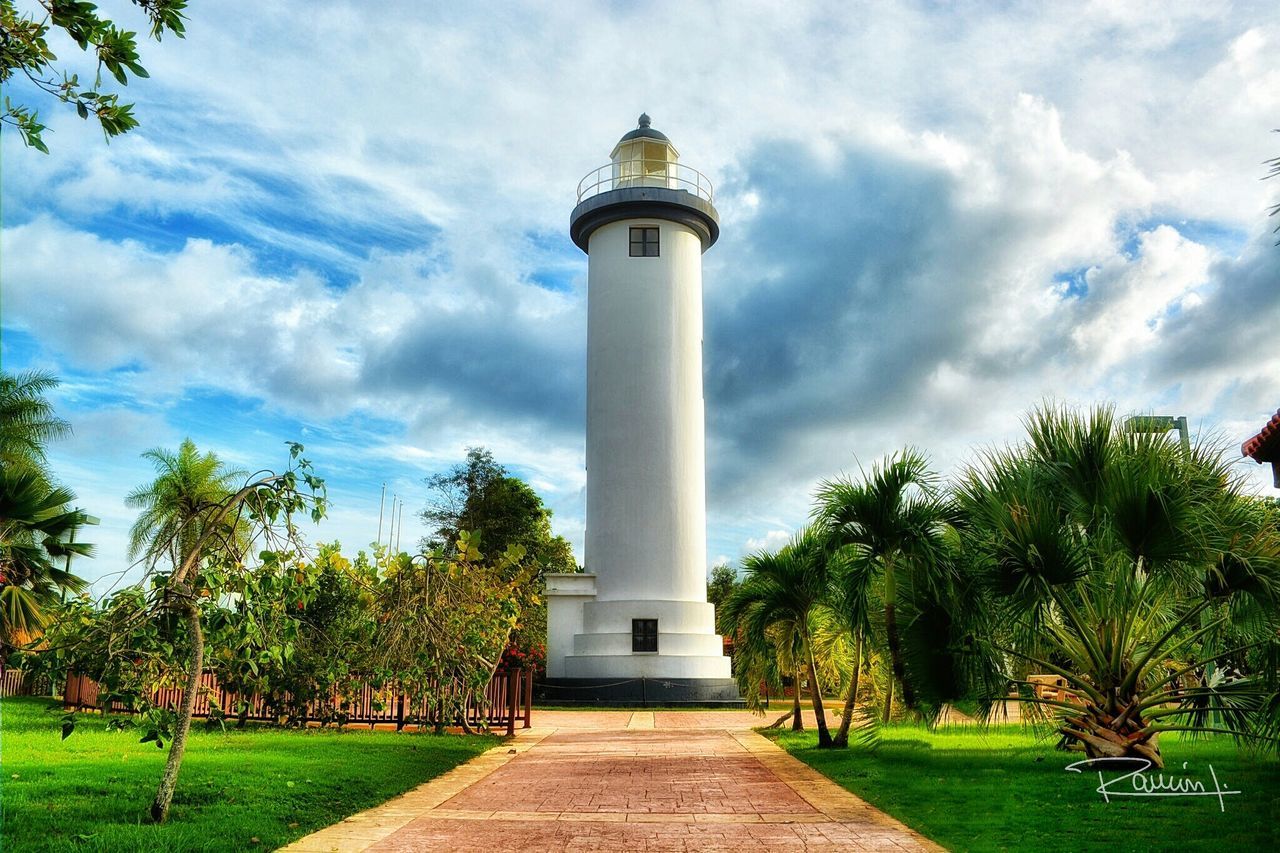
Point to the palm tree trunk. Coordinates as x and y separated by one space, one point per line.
842 736
169 781
895 644
782 719
888 701
815 690
797 719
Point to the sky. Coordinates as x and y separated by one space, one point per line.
347 225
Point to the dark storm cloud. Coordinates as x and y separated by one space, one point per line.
1234 327
492 360
840 296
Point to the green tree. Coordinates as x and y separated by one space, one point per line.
35 528
498 511
203 532
892 524
27 419
294 631
1126 566
785 596
36 521
482 498
175 503
445 620
722 582
25 52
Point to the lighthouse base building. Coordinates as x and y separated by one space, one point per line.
637 628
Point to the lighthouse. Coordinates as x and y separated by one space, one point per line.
636 627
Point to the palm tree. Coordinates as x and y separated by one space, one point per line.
783 595
187 486
1120 563
34 534
35 522
27 421
892 526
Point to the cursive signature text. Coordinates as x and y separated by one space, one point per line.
1128 777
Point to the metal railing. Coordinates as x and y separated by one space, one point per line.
645 173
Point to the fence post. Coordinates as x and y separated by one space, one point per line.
513 691
528 697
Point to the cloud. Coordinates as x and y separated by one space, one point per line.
932 219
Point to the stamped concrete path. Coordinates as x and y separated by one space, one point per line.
622 781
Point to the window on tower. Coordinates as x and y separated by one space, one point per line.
644 635
644 242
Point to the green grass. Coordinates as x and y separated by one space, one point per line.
1005 789
257 788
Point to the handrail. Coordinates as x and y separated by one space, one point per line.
640 172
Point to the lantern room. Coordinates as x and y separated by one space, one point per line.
644 157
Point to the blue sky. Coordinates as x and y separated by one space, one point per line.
350 230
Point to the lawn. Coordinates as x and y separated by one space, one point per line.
257 788
1006 789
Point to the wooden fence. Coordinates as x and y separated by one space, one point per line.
508 700
15 682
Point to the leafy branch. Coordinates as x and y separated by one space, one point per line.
24 49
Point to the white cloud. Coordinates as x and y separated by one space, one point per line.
368 219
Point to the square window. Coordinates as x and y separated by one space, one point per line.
644 242
644 635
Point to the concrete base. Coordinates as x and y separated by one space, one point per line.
638 692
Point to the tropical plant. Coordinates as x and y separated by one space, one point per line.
35 534
1120 563
36 521
203 533
783 596
27 420
892 528
176 503
293 631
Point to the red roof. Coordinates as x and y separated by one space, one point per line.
1265 446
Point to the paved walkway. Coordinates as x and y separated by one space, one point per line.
623 781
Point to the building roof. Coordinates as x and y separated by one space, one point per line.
1265 446
643 130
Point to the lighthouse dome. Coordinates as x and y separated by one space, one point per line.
644 130
645 145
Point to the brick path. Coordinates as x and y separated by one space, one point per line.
622 781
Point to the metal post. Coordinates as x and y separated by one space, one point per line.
528 698
513 687
1183 434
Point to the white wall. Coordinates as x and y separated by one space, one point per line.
646 499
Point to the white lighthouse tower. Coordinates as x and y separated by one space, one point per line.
637 626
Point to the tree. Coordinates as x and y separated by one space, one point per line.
296 632
1126 566
480 497
722 582
190 521
176 501
36 522
498 510
444 621
35 527
24 49
893 524
27 419
785 595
